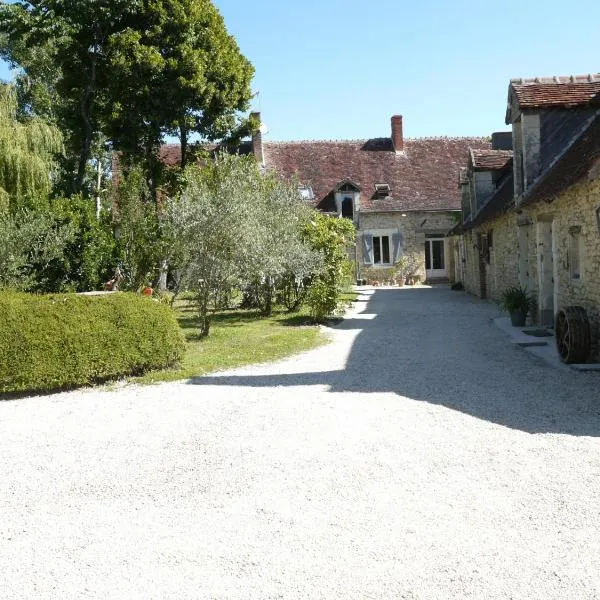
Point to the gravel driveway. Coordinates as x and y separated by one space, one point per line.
418 456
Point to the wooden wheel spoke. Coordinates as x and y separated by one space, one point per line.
572 331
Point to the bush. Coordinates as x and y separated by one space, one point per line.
62 341
331 237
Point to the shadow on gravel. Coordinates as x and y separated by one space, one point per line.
438 346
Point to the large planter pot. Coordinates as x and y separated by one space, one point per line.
518 317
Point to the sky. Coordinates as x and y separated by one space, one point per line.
339 69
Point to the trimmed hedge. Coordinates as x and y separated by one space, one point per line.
63 341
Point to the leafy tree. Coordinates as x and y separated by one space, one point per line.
233 226
179 72
27 151
141 239
66 39
276 253
30 241
331 237
90 256
133 70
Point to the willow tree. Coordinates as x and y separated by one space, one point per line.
27 151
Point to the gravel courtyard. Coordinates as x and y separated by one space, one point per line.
417 456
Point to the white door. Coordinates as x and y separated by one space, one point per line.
435 263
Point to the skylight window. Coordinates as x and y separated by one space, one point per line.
306 192
382 190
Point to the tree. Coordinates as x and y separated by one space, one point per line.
180 72
69 38
141 239
131 69
30 242
233 226
27 152
277 256
331 237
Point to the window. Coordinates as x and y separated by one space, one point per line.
382 190
381 250
306 192
575 253
347 207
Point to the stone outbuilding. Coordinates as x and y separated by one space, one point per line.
544 234
557 195
484 244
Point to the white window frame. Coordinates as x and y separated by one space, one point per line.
382 233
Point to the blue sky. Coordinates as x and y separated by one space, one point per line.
337 69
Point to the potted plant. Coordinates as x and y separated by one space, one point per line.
518 302
401 265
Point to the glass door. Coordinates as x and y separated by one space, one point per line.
435 263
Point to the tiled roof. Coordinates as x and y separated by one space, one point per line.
572 166
422 177
555 92
490 160
170 154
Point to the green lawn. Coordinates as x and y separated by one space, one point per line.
238 337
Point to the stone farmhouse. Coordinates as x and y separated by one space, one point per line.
540 228
400 193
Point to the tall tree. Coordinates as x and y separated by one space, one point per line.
68 38
134 70
27 152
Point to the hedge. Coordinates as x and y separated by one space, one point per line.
63 341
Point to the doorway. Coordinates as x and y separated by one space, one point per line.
435 264
546 271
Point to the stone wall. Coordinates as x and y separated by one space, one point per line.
414 226
571 213
502 269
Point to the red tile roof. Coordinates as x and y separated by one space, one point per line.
555 92
490 160
422 177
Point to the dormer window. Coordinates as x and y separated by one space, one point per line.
306 192
348 207
382 190
347 198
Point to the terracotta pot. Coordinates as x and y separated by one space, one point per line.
147 291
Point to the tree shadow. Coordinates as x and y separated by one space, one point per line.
439 346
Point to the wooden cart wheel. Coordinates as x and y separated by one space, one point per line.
573 337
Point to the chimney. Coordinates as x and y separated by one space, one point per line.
397 137
257 143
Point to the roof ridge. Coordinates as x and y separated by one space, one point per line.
362 140
557 79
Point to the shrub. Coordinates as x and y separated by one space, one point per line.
331 237
62 341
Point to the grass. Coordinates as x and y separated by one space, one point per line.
238 337
348 297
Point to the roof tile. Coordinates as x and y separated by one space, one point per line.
545 92
490 160
422 177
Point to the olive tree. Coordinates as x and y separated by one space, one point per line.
233 226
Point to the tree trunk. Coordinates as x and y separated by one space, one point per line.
183 140
87 108
162 275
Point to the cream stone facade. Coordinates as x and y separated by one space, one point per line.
565 271
485 259
412 231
